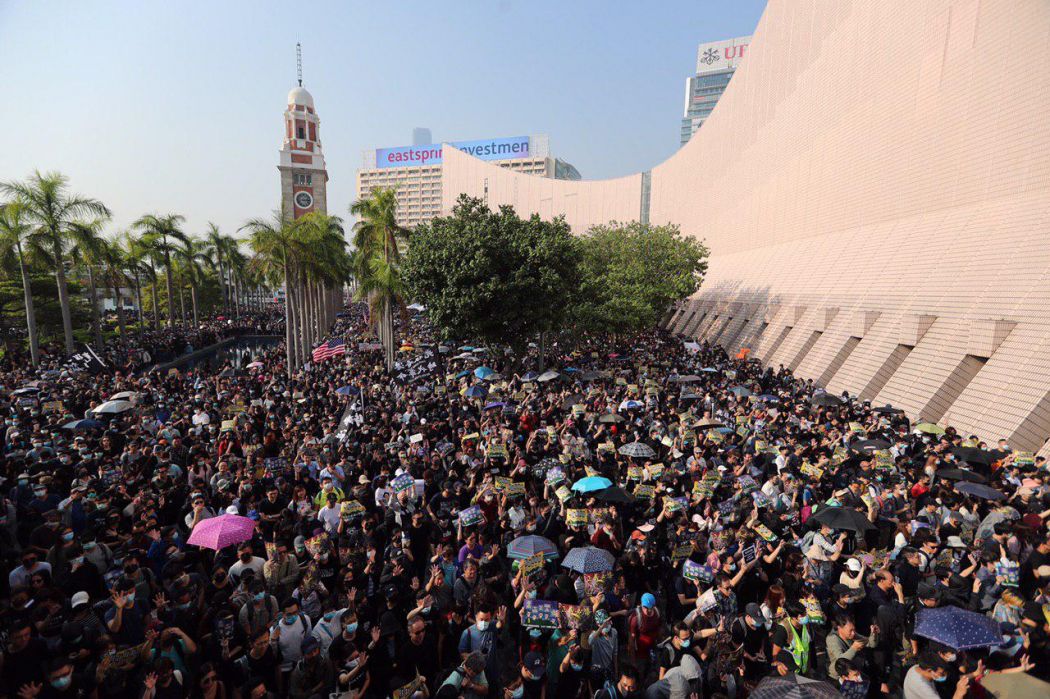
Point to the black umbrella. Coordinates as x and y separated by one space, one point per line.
959 474
793 687
974 455
979 490
613 494
825 399
843 518
574 399
887 410
869 445
590 376
687 397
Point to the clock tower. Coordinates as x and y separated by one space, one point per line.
304 179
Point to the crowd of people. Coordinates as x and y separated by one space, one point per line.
650 517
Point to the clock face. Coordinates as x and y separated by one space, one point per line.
304 200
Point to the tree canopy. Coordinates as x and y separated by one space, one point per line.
631 273
491 275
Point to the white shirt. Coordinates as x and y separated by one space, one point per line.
329 517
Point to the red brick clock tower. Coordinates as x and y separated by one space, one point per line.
304 178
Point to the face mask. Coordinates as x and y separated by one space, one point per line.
535 633
576 667
425 610
482 625
518 693
290 618
131 597
351 628
62 682
952 657
532 594
941 679
67 536
804 621
23 481
260 597
686 642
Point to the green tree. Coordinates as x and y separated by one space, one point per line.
161 235
376 263
51 211
491 275
632 273
13 231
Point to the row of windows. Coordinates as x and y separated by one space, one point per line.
306 180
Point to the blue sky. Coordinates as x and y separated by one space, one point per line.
176 106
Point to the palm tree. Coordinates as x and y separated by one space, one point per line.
325 266
13 230
113 263
376 262
87 251
273 244
140 262
162 233
50 211
192 254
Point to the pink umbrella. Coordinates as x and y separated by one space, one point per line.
222 531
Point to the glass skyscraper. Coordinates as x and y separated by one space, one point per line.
715 64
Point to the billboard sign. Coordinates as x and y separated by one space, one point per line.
486 149
721 55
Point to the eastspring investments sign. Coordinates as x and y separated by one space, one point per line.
487 149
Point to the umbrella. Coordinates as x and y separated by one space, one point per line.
610 418
767 397
124 395
793 687
869 445
888 410
709 370
1000 514
222 531
530 376
960 474
588 559
82 425
591 484
843 518
707 423
530 545
483 372
979 490
614 494
638 449
462 374
929 428
825 399
255 365
113 407
686 397
490 406
548 376
574 399
589 376
466 348
957 628
228 372
688 378
476 391
740 391
1015 685
348 391
25 390
631 405
977 456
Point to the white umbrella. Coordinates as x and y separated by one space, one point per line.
125 395
113 407
548 376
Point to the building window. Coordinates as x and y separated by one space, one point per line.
300 133
304 180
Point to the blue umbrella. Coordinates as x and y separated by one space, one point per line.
709 370
958 628
348 391
740 391
530 376
530 545
460 375
483 372
591 483
476 391
490 406
589 559
466 348
979 490
82 425
570 370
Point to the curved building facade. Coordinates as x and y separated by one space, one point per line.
874 186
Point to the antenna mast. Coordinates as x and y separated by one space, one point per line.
299 61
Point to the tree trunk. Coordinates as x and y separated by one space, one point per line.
288 346
63 298
96 324
27 291
193 298
120 307
222 284
542 358
182 301
138 297
156 306
171 291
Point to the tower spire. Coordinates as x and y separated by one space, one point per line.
299 61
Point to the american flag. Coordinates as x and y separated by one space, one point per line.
332 348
